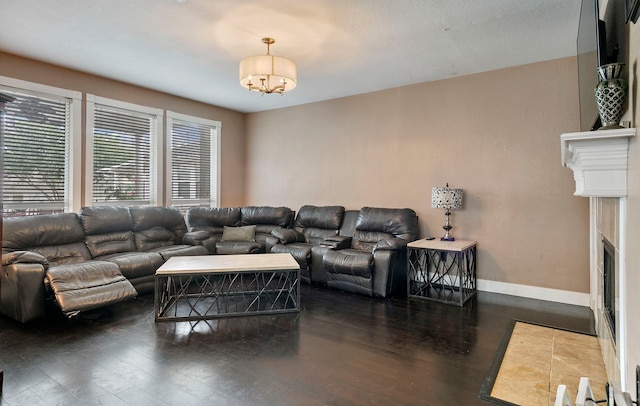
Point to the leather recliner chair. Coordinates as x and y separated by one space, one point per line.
375 263
313 226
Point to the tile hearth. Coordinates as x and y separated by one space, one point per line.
538 359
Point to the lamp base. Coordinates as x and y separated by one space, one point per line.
447 227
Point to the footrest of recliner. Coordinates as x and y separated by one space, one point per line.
348 262
88 285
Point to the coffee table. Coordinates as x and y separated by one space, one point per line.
193 288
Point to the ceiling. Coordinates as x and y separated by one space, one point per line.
192 48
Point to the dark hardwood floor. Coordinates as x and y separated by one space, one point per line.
341 349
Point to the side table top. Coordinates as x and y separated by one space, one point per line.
437 244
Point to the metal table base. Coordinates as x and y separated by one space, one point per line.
443 272
203 296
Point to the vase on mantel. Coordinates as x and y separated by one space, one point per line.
611 92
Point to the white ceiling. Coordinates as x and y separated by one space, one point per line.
192 48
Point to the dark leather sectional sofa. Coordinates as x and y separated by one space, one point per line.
100 256
362 251
106 254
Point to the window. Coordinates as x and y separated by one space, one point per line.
123 150
192 161
41 149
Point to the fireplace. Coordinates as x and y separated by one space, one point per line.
599 161
609 285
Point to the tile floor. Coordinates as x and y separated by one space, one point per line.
538 359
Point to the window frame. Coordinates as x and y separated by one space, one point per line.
156 148
73 169
215 142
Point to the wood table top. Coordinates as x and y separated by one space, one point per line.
227 263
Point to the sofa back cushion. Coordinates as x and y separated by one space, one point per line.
158 226
110 243
57 237
105 219
376 224
266 218
108 230
348 227
212 220
317 223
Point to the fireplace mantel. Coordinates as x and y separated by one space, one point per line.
598 160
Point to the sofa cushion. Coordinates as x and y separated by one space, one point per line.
88 285
64 254
238 247
244 233
24 233
266 216
111 243
157 217
180 251
135 264
152 238
212 220
387 223
300 251
324 217
105 219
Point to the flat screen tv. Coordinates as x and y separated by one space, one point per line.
591 53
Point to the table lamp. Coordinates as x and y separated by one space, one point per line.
446 198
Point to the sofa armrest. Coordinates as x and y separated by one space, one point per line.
195 237
24 257
337 242
287 235
22 295
392 244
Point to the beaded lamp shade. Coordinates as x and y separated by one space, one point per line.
446 198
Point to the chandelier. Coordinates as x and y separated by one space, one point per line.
268 73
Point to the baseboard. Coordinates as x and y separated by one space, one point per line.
535 292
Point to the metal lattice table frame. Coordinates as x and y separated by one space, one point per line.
444 271
209 294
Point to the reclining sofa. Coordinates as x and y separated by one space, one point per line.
316 229
106 254
237 230
364 252
101 256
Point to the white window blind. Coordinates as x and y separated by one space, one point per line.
123 155
36 153
193 160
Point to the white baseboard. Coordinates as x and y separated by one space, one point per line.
535 292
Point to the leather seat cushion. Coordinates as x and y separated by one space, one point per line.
238 247
180 250
88 285
349 262
135 264
300 251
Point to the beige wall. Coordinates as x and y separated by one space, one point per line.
496 135
232 139
632 287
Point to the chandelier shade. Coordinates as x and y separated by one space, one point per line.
268 73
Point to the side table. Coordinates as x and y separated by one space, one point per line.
444 271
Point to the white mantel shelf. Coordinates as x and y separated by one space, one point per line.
598 160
